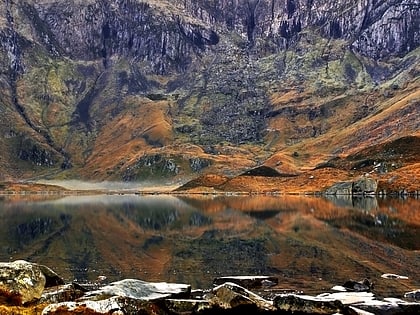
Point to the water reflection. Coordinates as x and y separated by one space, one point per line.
310 243
365 203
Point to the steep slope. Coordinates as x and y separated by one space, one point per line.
135 90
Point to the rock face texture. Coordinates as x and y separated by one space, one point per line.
360 187
22 282
96 87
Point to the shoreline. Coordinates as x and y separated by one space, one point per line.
46 293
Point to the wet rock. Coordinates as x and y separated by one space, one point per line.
20 282
141 290
248 282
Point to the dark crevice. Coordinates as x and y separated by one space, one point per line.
251 20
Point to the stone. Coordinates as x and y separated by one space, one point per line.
358 286
366 302
248 282
342 188
364 185
230 295
63 293
186 306
310 305
141 290
51 278
116 305
21 282
415 295
393 276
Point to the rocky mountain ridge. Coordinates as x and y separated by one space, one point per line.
132 90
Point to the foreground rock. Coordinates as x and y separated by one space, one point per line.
141 290
249 282
24 284
344 303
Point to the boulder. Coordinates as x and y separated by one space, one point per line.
393 276
230 295
414 295
303 304
358 286
51 278
362 302
115 305
187 306
63 293
140 290
248 282
362 186
21 282
127 296
342 188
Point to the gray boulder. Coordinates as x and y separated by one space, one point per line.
362 186
230 295
123 297
342 188
141 290
62 293
249 282
114 305
21 282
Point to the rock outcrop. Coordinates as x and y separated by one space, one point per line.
22 282
360 187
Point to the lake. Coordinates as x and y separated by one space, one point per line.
309 243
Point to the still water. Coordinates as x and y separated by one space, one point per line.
309 243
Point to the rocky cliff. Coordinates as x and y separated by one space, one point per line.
134 89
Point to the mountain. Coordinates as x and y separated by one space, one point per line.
142 90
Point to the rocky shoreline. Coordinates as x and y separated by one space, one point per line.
30 288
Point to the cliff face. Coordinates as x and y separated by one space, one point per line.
376 29
99 87
159 31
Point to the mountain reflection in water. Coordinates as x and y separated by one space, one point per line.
309 243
